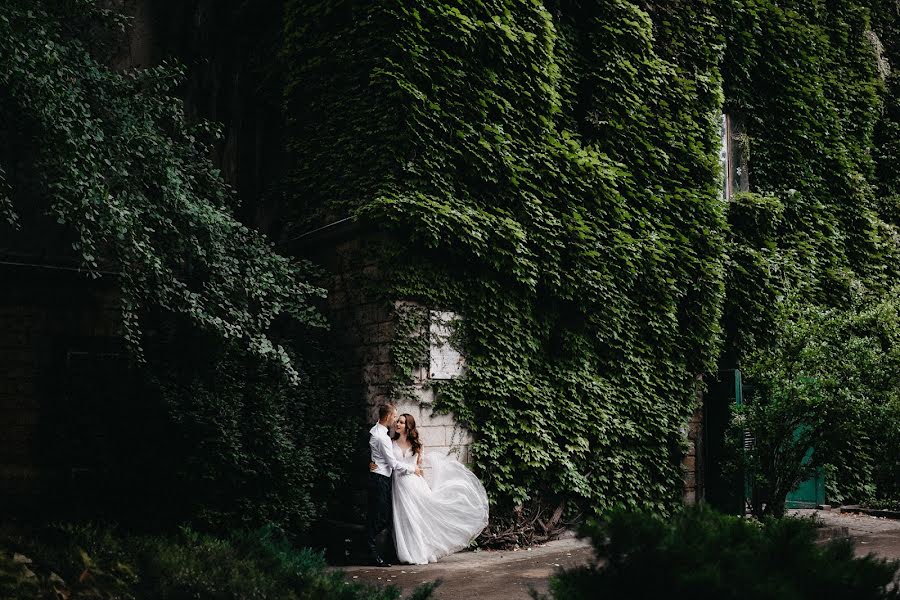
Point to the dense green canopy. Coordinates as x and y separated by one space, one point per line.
110 155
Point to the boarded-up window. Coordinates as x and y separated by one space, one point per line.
445 361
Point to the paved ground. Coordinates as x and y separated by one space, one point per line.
873 535
488 575
496 575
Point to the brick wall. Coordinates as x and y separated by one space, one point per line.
692 462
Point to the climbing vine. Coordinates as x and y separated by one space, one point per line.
550 173
234 362
811 79
110 156
815 82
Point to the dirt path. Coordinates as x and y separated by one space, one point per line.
489 575
873 535
496 575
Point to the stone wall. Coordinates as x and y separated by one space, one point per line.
439 433
364 325
360 314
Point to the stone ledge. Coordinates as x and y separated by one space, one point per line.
826 534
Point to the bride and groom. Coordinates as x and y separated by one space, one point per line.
430 518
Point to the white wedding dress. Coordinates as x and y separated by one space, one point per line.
438 514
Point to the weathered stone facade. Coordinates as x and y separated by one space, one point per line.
362 317
364 324
440 433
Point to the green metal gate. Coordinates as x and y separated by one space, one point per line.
810 493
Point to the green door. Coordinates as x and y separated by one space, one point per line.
810 493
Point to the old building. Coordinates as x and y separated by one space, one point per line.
61 337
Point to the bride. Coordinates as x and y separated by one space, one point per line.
438 514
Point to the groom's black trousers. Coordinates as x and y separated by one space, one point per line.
379 509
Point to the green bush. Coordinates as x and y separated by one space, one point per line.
94 562
112 157
242 446
830 383
701 554
214 437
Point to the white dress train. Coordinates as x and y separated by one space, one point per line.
438 514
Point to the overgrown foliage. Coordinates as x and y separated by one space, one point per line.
702 554
239 446
829 385
86 561
111 156
549 171
227 326
813 82
806 79
756 275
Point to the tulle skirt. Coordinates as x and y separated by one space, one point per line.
438 514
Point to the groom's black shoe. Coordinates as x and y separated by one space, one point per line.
379 562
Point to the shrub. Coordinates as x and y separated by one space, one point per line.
96 562
207 435
242 446
829 383
701 554
112 156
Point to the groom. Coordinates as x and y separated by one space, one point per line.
379 508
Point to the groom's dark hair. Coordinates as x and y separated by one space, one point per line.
385 410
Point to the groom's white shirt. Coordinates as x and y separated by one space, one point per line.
383 453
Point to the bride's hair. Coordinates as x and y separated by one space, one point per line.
412 434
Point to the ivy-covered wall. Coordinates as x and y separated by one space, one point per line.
550 173
547 170
813 81
816 83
